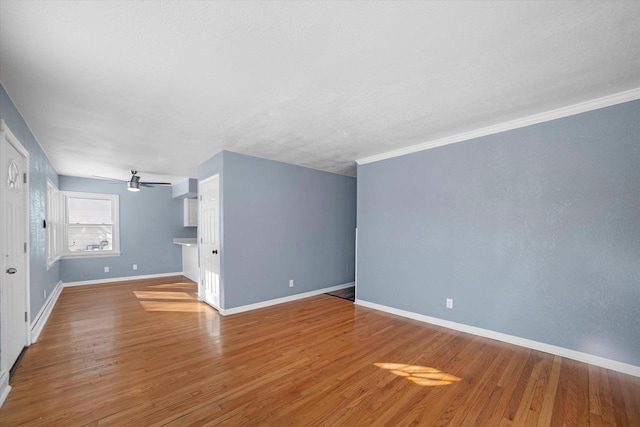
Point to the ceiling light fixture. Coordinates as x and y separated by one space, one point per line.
133 185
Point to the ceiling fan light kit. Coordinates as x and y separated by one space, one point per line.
133 186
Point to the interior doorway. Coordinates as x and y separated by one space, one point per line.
209 241
14 253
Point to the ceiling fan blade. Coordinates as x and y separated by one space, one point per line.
109 179
154 183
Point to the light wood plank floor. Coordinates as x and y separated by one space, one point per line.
147 353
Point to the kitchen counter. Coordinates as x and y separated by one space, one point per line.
189 256
185 241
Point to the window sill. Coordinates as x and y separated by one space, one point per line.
51 263
94 254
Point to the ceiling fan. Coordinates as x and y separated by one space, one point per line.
134 183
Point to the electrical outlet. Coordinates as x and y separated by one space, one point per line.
449 303
291 283
44 291
106 269
135 266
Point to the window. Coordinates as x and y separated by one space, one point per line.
53 224
91 225
80 224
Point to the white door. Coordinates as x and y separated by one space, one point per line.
14 326
209 231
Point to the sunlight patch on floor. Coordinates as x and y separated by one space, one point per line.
171 301
163 295
179 285
421 375
175 306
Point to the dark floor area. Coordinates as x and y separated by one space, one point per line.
346 293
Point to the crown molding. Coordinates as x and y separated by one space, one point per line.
583 107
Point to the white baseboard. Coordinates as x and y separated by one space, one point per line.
263 304
120 279
522 342
5 388
44 313
192 276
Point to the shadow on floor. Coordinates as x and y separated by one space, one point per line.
346 293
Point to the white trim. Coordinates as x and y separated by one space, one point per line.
6 132
51 263
5 388
511 339
114 199
220 233
44 313
263 304
120 279
191 277
93 254
54 217
355 265
583 107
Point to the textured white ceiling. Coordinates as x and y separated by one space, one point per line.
162 86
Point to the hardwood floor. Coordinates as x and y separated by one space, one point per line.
147 353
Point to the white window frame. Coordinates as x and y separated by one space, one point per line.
54 228
115 214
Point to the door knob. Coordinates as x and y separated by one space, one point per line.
214 251
11 270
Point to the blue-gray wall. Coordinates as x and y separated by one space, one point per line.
281 222
533 232
40 168
186 189
149 220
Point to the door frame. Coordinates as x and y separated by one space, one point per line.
216 176
5 133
